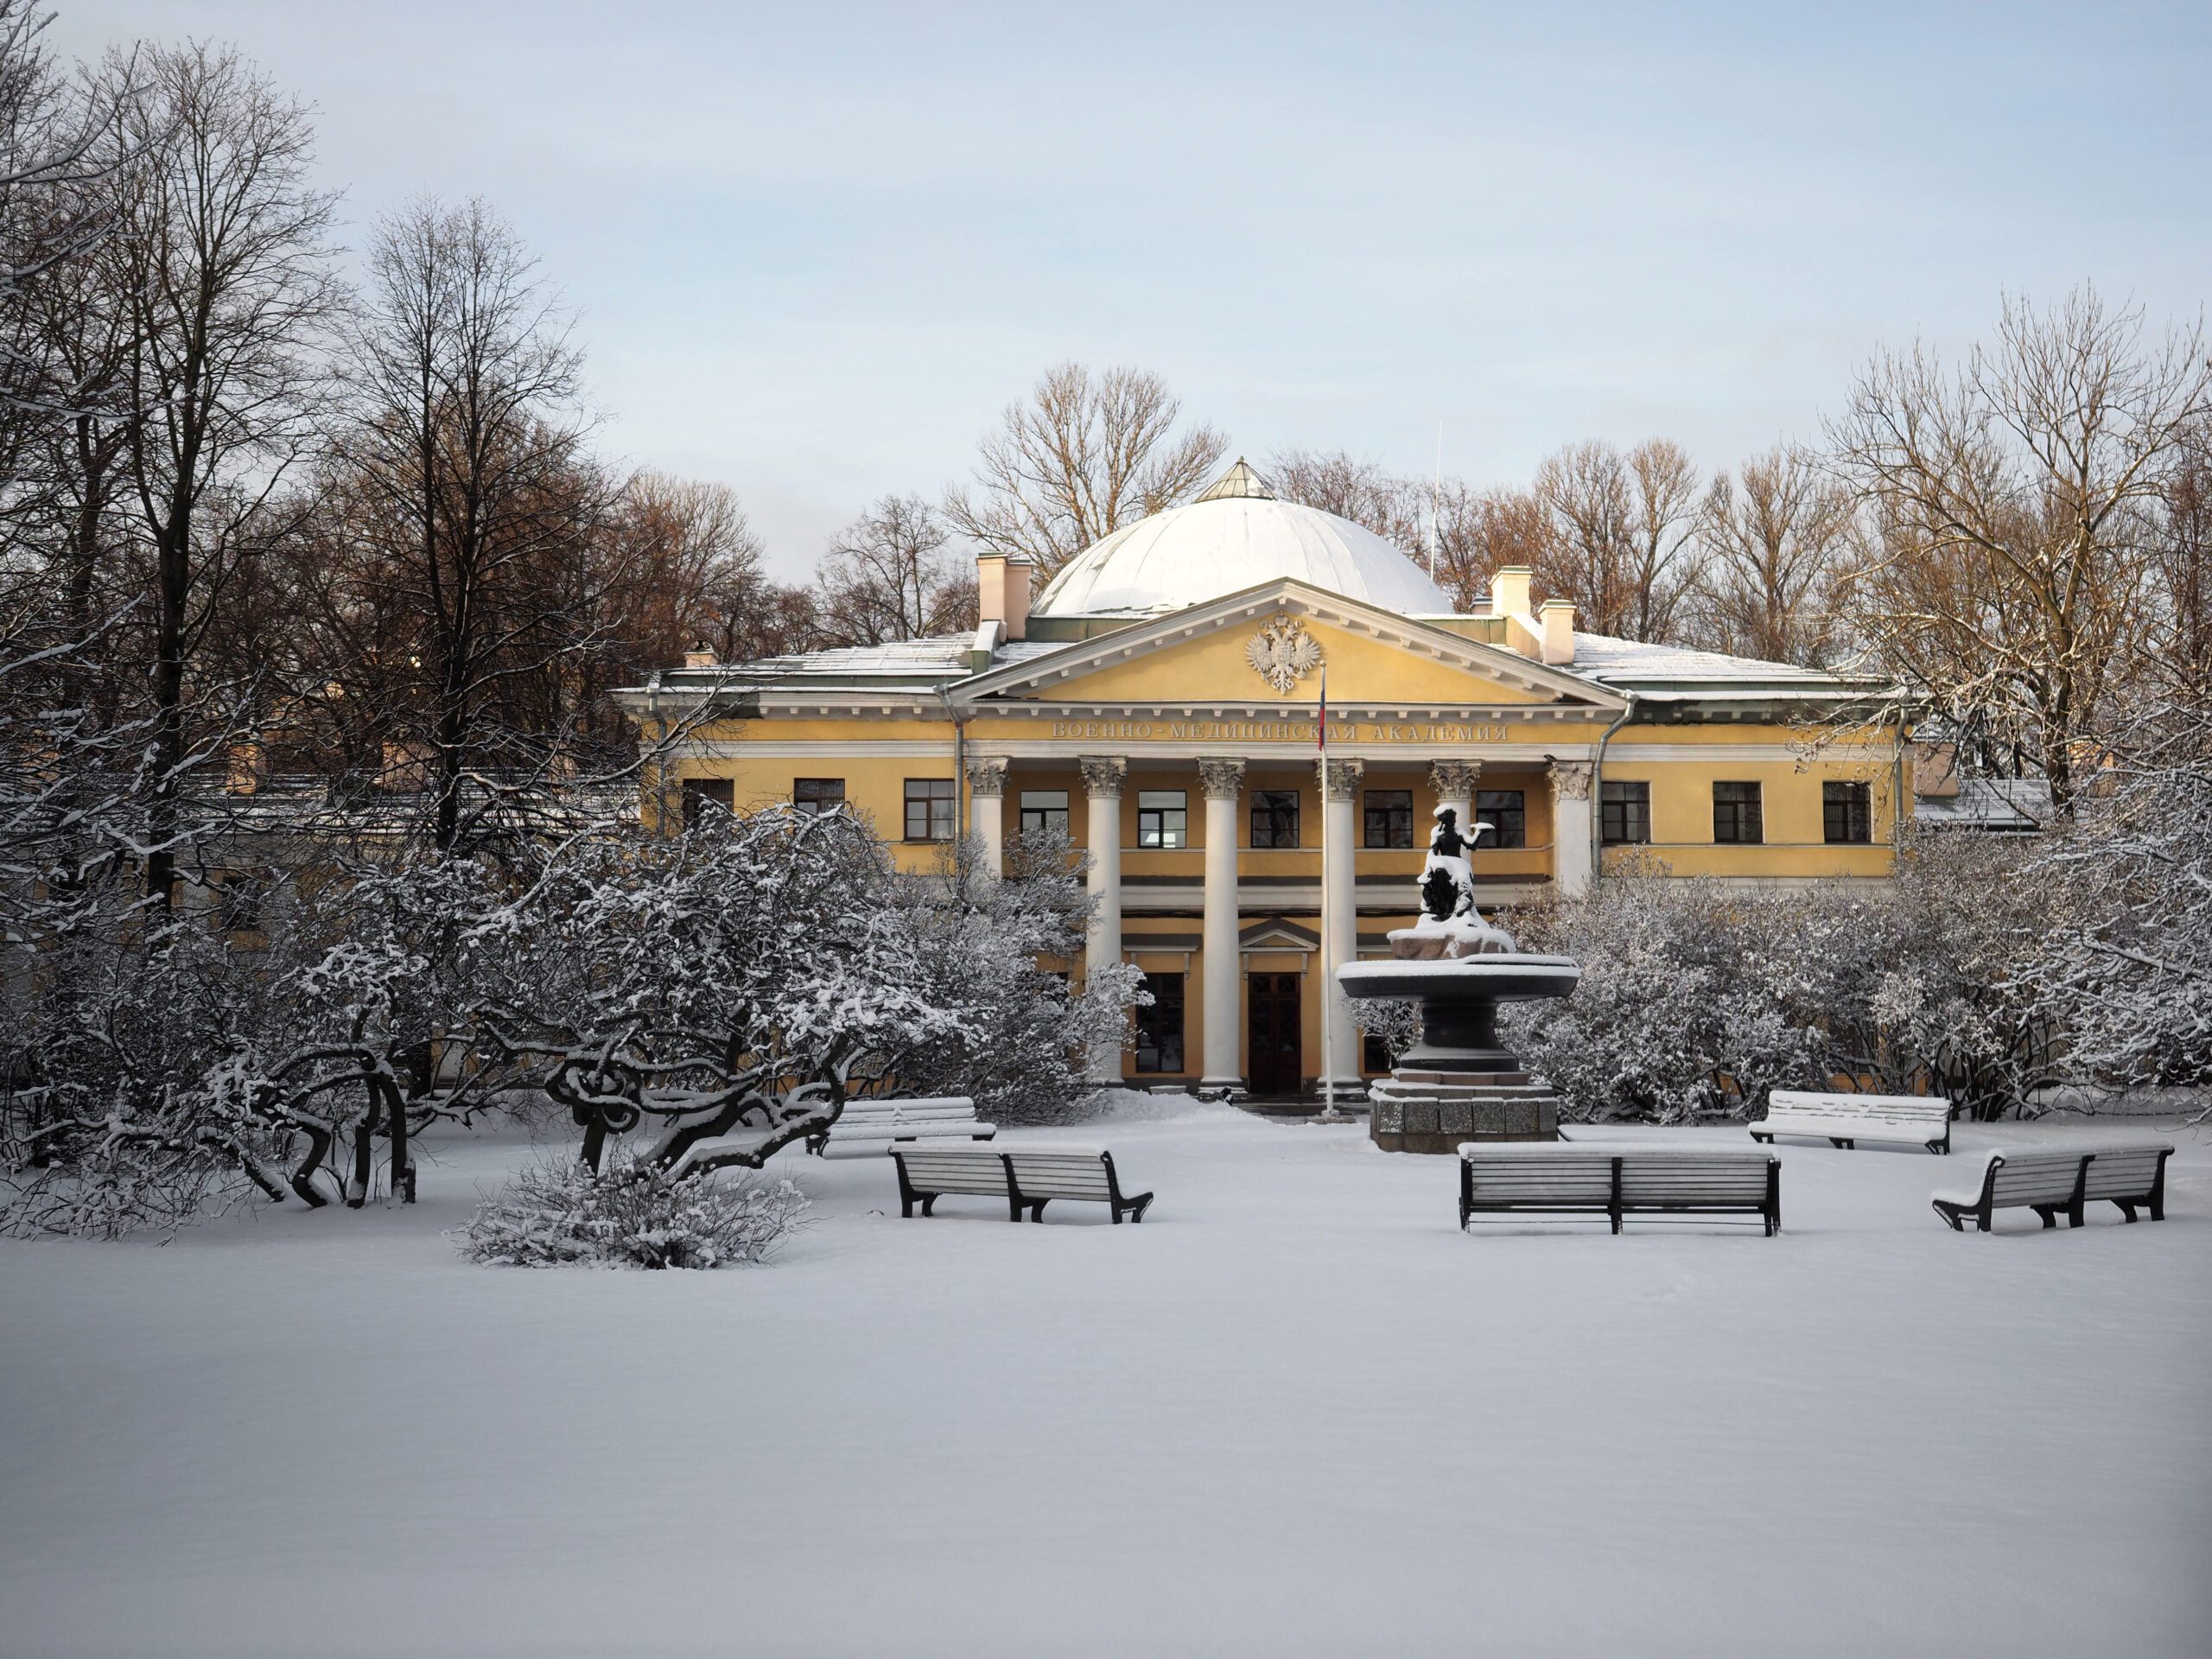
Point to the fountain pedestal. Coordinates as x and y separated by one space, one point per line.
1458 1082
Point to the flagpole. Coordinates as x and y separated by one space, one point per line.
1328 977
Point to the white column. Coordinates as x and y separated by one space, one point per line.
1223 783
1571 852
987 810
1454 783
1102 782
1340 920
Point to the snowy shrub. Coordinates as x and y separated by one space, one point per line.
2126 971
630 1215
723 991
1024 1032
1697 999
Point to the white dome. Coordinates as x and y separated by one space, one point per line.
1233 537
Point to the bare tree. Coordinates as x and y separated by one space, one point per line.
1480 531
888 577
695 577
1083 455
1771 546
1623 522
2013 498
1394 508
2175 654
1460 535
465 447
223 272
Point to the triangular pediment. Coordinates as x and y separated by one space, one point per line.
1270 645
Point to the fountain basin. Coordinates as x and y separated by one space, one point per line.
1457 1084
1459 1002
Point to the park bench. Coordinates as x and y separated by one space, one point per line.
1844 1120
874 1126
1027 1179
2047 1180
1616 1180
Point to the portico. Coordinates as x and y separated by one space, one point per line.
1208 868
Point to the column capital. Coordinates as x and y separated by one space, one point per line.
1221 780
1342 778
987 775
1102 775
1454 780
1571 779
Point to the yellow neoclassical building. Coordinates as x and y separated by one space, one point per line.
1158 701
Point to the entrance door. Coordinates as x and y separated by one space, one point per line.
1275 1068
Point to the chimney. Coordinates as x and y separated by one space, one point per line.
1002 593
1556 630
1509 590
1508 602
701 655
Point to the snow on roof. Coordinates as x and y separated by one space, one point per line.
1234 537
2013 803
902 663
1601 657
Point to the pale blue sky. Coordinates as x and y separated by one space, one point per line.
816 248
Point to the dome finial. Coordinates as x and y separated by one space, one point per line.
1240 482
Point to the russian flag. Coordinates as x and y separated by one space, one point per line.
1321 724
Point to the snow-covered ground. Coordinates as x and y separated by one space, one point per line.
1294 1413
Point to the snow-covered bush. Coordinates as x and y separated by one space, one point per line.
2127 970
1696 999
986 948
724 991
629 1215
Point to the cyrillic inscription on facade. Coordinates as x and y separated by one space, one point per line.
1277 731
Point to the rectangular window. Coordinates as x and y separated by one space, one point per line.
1159 1027
1389 818
1736 815
1274 817
237 903
1506 811
815 796
1374 1052
1044 812
1163 819
700 793
1846 812
1624 815
930 809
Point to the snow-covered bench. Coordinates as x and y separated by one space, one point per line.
2047 1180
1039 1176
1026 1179
1617 1180
1846 1120
874 1126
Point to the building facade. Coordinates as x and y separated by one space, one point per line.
1161 704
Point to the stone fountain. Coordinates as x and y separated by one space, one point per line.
1456 1083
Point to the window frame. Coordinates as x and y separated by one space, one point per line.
1632 807
1856 800
1045 815
814 806
1743 815
1390 827
1150 1026
1517 813
1160 812
935 793
697 793
1274 807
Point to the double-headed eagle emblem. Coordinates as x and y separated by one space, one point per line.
1282 653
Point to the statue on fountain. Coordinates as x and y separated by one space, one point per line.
1451 925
